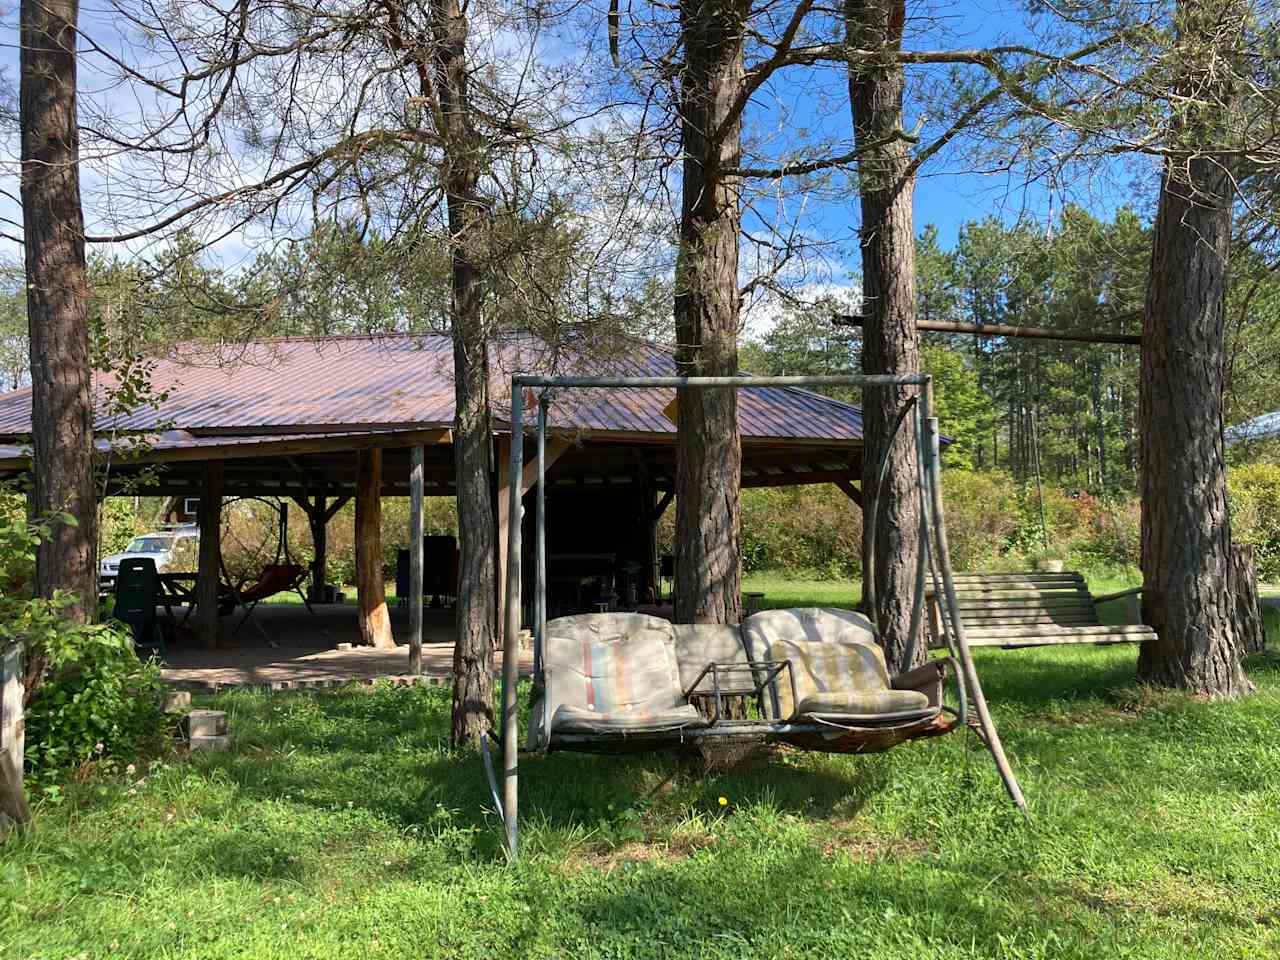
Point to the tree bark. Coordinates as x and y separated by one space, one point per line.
472 435
371 594
208 566
708 575
13 799
1250 632
890 341
1186 531
57 298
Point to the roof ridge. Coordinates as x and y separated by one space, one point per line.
325 337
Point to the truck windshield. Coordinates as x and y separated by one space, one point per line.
148 545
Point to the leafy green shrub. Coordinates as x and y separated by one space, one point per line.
814 529
985 513
85 684
1254 493
118 523
1105 532
98 700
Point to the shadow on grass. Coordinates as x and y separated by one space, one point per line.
385 751
804 904
1031 679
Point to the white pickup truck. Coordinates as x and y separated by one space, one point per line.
171 549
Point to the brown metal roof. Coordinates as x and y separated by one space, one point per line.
396 382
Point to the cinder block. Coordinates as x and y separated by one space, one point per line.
206 723
221 742
177 701
345 646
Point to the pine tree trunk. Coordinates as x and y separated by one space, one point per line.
472 437
890 341
57 297
708 576
1186 531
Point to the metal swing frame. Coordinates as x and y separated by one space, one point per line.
933 557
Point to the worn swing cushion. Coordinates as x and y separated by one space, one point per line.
612 673
839 669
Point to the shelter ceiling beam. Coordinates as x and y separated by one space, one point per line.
849 490
665 502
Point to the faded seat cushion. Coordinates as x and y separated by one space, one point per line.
838 668
611 672
899 704
569 719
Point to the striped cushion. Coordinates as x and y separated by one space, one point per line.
839 669
613 672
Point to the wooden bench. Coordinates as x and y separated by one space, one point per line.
1030 610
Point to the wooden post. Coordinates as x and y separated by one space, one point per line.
320 546
319 514
210 560
416 482
13 802
371 594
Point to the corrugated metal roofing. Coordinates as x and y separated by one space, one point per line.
366 383
17 457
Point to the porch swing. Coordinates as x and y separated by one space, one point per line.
812 678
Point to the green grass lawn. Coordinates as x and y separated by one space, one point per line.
341 826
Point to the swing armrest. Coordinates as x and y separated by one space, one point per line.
926 678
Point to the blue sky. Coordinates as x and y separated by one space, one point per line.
946 194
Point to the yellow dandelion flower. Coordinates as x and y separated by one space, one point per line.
724 801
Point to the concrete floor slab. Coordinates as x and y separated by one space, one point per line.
284 645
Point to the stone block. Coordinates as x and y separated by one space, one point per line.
220 742
345 646
177 701
206 723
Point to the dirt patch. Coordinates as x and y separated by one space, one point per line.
869 849
627 855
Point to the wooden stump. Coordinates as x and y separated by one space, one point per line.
1250 634
13 802
375 621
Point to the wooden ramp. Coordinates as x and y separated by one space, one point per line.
1029 610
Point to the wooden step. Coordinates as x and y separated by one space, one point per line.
1034 630
1034 575
988 623
1055 605
1013 643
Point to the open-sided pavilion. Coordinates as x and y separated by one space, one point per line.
321 420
